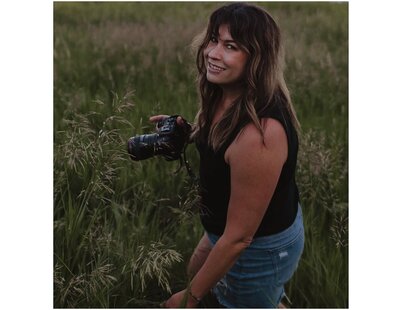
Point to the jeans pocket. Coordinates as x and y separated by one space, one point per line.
287 258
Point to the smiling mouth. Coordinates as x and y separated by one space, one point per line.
215 68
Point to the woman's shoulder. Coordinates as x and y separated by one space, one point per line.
272 130
250 139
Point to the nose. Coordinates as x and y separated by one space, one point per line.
215 52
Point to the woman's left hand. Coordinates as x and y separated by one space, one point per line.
175 301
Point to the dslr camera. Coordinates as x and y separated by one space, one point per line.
169 141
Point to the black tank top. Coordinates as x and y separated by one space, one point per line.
215 183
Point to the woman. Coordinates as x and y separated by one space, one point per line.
246 134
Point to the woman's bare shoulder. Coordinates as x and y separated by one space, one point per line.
250 139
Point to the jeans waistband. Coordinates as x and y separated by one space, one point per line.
275 240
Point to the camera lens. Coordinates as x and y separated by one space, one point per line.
142 147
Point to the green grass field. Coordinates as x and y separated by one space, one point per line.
123 230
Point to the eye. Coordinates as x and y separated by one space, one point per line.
214 39
231 46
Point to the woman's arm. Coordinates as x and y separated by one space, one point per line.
255 170
199 256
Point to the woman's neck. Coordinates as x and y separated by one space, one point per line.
227 99
229 95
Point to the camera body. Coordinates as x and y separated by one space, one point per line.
169 141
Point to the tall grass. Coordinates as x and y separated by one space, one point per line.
123 230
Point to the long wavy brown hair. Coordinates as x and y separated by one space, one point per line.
255 31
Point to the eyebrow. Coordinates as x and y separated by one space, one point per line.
228 41
225 41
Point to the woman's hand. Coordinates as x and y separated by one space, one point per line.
158 118
175 301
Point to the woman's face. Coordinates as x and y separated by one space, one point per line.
224 60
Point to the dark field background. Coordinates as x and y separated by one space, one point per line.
123 230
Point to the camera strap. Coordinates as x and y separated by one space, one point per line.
184 161
188 167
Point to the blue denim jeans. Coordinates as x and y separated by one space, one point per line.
257 279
